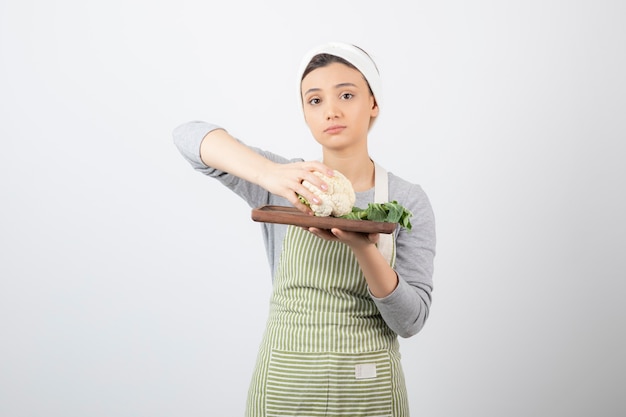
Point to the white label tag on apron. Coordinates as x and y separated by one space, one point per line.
365 370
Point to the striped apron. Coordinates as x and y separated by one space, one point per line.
326 350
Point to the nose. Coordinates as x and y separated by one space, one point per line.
331 110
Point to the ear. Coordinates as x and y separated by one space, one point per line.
375 109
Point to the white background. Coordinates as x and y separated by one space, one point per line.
132 285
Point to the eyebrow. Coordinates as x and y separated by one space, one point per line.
340 85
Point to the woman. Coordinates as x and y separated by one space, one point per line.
339 301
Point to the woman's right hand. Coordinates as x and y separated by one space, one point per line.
222 151
285 180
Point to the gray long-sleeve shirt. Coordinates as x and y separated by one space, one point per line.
406 309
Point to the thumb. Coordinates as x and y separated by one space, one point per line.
373 237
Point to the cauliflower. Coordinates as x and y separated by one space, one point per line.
336 201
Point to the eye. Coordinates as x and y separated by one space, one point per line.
347 96
313 101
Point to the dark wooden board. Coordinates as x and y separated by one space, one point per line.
291 215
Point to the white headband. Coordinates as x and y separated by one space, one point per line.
354 55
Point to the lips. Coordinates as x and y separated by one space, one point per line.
334 129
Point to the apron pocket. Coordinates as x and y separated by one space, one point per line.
329 384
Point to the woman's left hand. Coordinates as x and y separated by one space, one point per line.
381 279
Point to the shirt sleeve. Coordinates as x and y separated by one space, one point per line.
188 137
406 309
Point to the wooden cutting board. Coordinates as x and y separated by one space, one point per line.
291 215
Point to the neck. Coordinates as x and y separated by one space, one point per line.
358 169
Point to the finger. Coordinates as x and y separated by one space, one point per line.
312 176
310 182
322 233
301 206
320 167
307 191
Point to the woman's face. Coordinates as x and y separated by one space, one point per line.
338 106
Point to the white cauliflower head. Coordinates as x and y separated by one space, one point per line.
337 200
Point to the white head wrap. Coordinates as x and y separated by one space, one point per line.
354 55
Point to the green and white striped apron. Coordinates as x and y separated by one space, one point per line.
326 350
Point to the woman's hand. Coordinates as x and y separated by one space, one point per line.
380 277
222 151
285 180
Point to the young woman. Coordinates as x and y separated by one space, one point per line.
339 301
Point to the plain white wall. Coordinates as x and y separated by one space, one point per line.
133 286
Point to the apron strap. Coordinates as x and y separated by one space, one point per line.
381 195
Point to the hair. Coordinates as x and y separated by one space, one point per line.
323 60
